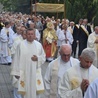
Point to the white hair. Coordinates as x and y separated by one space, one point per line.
65 45
88 53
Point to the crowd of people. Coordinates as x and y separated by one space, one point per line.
71 49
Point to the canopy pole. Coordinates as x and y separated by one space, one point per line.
64 10
57 11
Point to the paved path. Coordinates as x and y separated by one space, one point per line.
6 89
5 82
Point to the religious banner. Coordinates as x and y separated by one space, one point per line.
46 7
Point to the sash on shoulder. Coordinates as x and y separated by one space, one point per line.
85 30
53 90
77 26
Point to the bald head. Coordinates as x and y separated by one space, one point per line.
65 47
96 29
65 52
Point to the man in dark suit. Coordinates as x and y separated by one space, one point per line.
76 37
84 32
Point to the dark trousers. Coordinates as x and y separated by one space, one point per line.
82 45
74 47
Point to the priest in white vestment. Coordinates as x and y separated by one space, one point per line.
92 91
93 44
77 79
56 69
64 36
18 33
6 40
20 36
17 41
28 57
58 32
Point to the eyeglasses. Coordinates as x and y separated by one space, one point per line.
66 55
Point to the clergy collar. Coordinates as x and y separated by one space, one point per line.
96 34
63 61
30 42
84 68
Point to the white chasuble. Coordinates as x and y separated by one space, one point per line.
54 73
27 80
70 84
91 44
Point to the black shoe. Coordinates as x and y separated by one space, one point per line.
48 61
9 63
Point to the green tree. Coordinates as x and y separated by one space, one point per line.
9 5
77 9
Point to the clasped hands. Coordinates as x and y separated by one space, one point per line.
34 58
84 85
96 41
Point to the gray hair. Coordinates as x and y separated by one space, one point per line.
96 27
88 53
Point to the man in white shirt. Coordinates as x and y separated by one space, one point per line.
64 36
76 80
56 69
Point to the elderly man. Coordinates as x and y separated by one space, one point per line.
92 91
77 79
57 68
29 55
93 44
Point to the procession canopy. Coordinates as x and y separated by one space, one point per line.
47 7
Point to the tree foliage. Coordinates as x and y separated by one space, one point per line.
81 9
9 5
